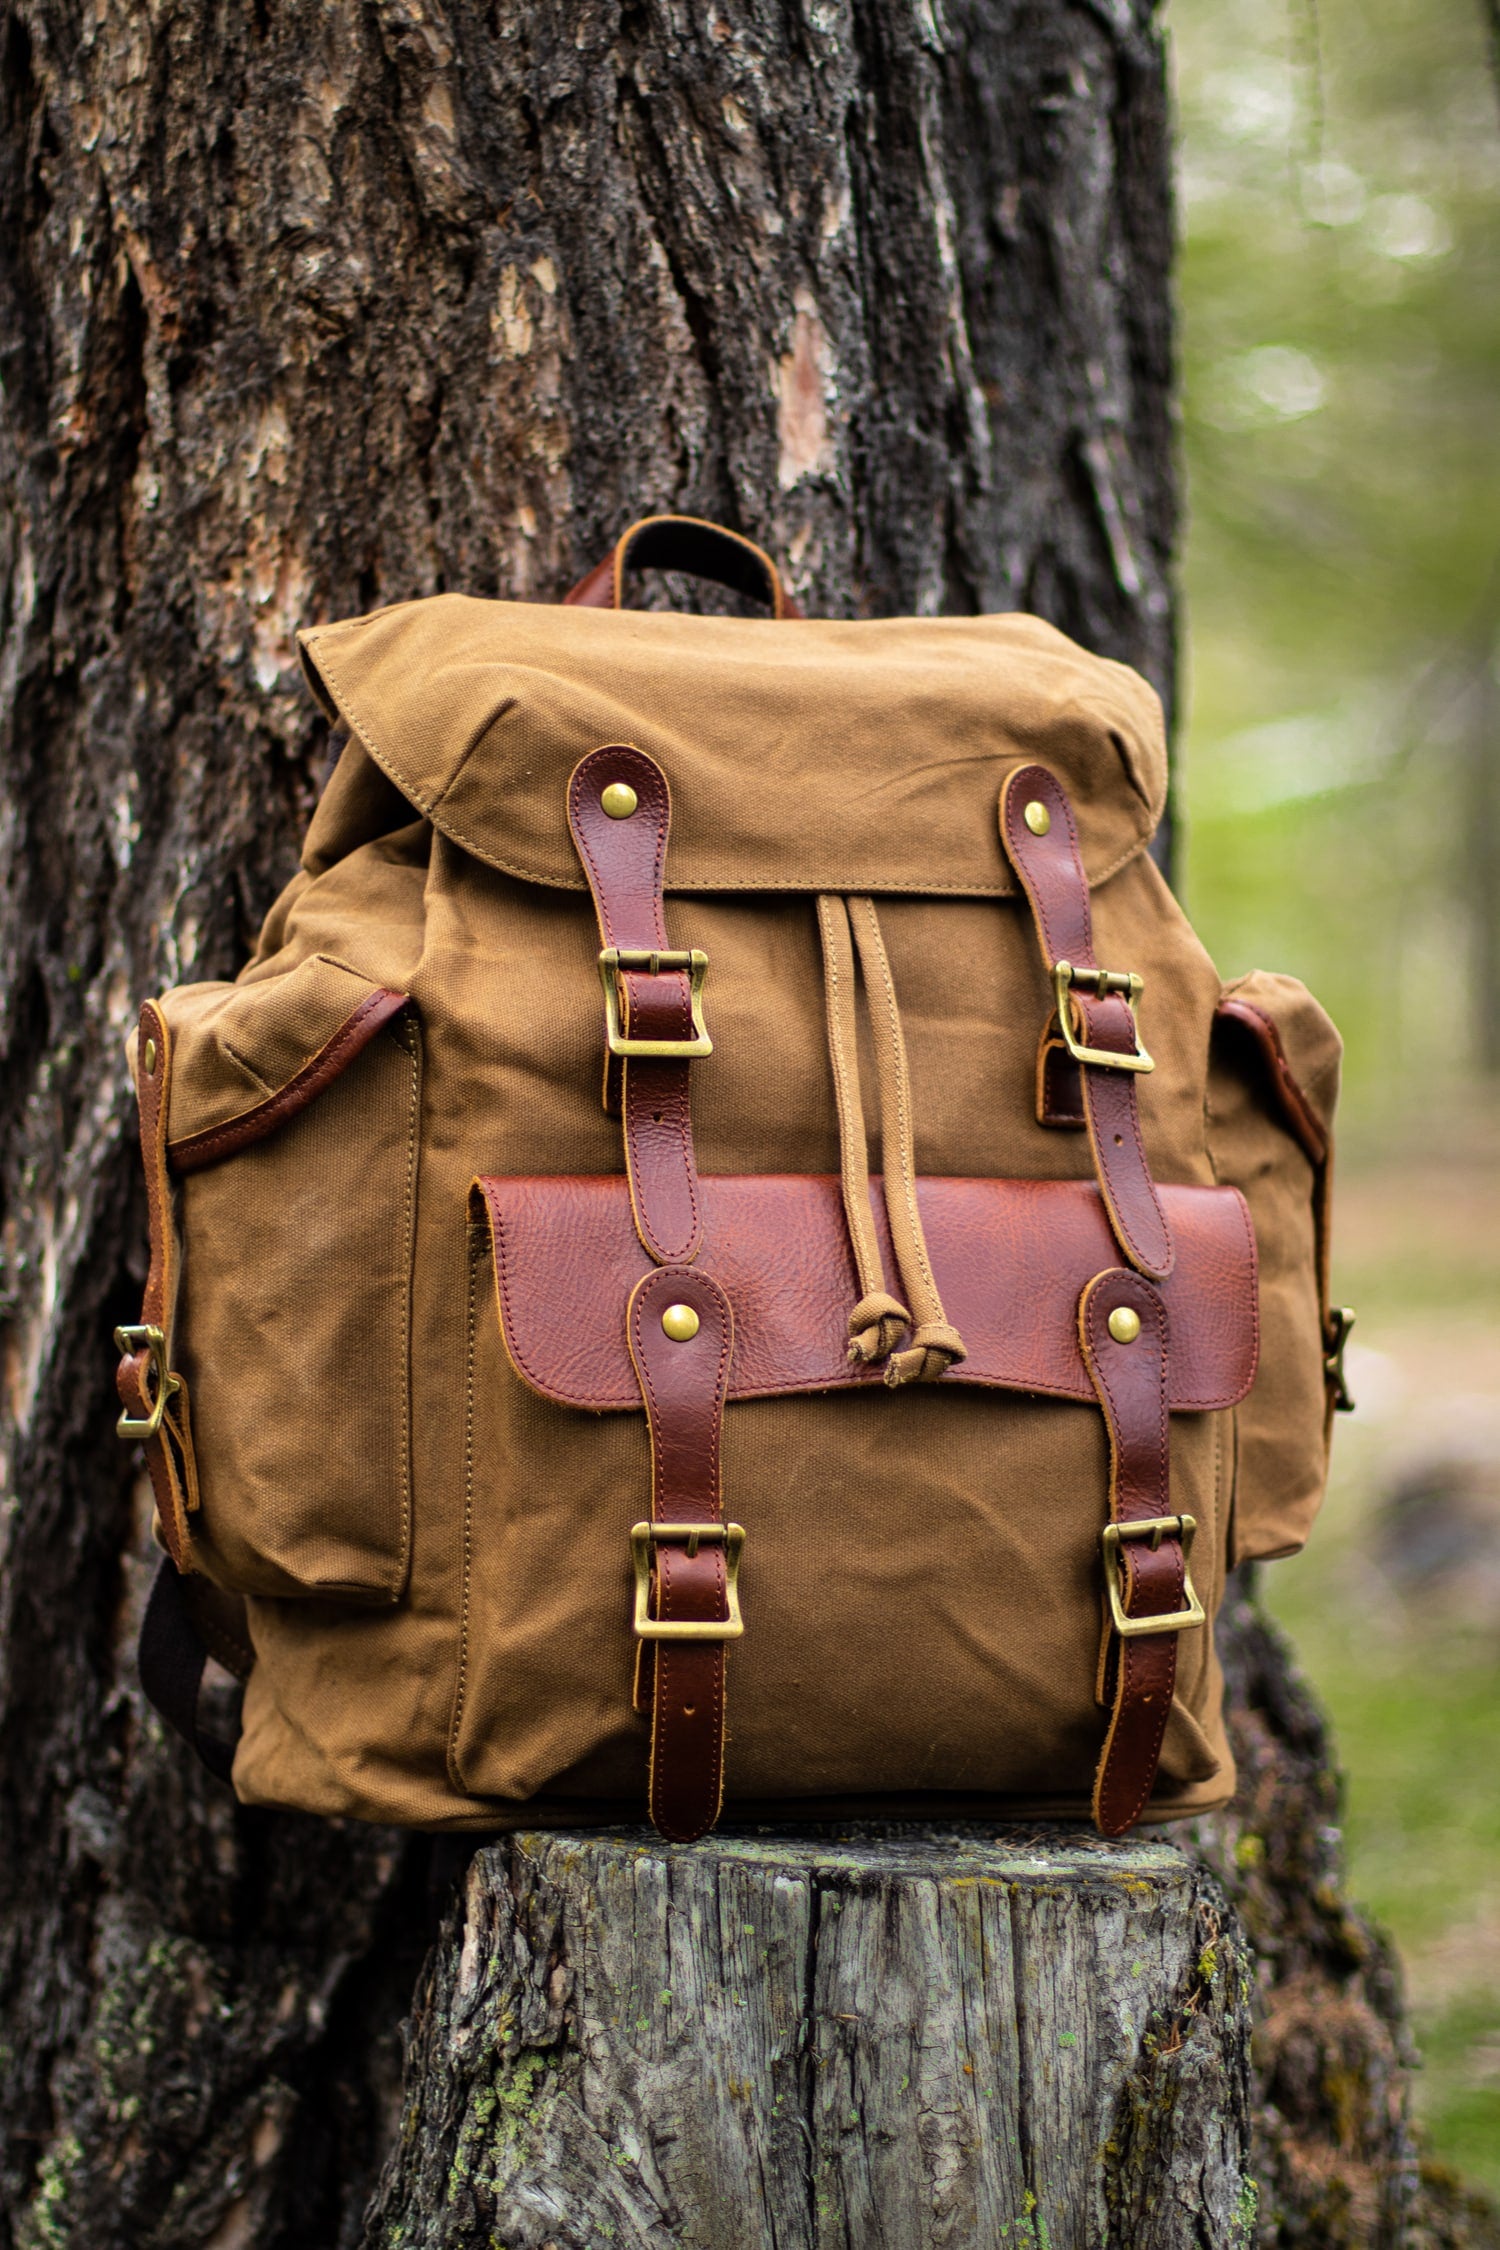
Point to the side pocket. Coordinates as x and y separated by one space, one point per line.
1272 1089
293 1116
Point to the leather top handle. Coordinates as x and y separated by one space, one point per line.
703 550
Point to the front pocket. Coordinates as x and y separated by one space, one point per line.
292 1131
922 1573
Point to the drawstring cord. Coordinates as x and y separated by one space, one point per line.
878 1320
935 1346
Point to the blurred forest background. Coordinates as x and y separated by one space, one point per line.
1340 802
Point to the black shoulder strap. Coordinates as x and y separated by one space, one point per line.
171 1658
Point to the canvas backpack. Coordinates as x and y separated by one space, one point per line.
729 1248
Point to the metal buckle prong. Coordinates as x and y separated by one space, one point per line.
1119 984
147 1338
692 1536
1153 1529
615 959
1335 1339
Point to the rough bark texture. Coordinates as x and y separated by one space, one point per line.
306 307
902 2037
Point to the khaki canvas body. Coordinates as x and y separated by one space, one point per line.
433 1554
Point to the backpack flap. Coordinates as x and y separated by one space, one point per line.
803 755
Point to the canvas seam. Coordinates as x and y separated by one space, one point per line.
461 1683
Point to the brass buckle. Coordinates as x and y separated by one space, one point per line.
147 1339
1122 984
1335 1337
612 960
1154 1528
729 1536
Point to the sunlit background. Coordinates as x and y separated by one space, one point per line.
1340 794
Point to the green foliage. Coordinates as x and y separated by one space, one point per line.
1340 794
1340 187
1413 1702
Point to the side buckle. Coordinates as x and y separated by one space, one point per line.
612 961
132 1341
1154 1529
1120 984
1335 1337
692 1536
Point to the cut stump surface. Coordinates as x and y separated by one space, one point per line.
875 2038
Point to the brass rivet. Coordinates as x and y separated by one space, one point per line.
1124 1324
1037 817
150 1058
681 1323
619 800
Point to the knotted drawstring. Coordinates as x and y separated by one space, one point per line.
878 1319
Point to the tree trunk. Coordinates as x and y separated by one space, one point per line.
310 306
775 2041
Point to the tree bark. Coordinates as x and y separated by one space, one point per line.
808 2041
307 307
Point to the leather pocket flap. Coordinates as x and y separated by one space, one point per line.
1011 1258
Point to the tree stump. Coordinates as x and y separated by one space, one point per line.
897 2037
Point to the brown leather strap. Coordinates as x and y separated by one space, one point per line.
684 1380
624 859
1059 1087
146 1366
1137 1672
1051 871
687 543
620 813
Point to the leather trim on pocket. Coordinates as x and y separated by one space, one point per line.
1012 1257
196 1151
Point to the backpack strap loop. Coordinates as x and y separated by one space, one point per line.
1122 1325
186 1621
687 543
1095 1011
681 1335
620 813
153 1395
